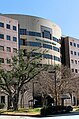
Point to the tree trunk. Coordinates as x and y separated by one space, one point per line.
15 102
9 102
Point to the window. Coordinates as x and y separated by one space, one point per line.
74 53
75 61
2 48
32 33
71 52
55 48
8 61
72 70
78 53
46 34
71 43
56 40
14 50
8 37
47 56
8 49
56 58
78 45
14 28
23 42
72 60
15 39
36 44
1 24
47 46
36 54
7 26
23 31
2 99
76 71
2 36
1 60
74 44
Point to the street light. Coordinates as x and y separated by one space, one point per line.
54 71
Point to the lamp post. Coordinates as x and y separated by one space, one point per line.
55 86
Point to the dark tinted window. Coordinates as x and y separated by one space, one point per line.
1 24
14 50
2 36
56 58
71 43
2 48
23 42
74 53
7 26
46 34
14 39
31 33
78 45
55 48
47 56
71 52
36 44
47 46
74 44
8 37
8 61
8 49
14 28
1 60
23 31
55 39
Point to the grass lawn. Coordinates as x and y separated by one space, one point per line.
31 111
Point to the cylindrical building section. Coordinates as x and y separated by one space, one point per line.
36 32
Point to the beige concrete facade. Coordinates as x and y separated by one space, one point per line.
35 28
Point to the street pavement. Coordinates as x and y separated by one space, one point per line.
72 115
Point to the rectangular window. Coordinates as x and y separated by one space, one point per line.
47 56
23 31
1 24
75 61
55 48
35 44
76 71
8 37
56 40
47 46
15 39
71 43
14 50
14 28
23 42
2 48
74 44
78 45
7 26
78 53
2 99
32 33
1 60
71 52
8 61
8 49
72 70
2 36
72 60
74 53
56 58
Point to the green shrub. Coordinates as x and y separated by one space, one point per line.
49 110
2 105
